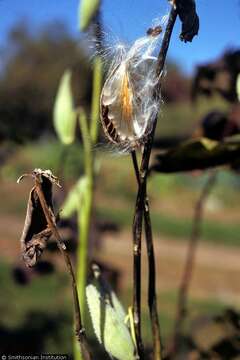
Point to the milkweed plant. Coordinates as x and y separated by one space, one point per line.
127 105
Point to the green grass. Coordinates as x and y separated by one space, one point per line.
220 233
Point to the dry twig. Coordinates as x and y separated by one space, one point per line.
46 210
189 264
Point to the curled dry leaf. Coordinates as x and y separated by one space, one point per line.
36 231
190 21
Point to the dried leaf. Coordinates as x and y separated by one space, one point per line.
36 232
200 153
190 21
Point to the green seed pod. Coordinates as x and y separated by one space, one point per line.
64 116
74 199
86 13
109 326
238 87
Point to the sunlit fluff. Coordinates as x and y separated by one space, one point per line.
128 105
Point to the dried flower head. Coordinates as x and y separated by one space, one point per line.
128 105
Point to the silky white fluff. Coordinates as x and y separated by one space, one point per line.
138 63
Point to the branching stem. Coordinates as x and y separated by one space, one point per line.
152 295
141 195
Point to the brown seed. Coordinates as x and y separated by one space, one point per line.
154 31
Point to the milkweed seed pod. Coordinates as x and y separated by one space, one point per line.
128 105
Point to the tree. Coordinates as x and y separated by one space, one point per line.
33 65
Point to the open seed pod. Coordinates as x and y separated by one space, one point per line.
128 105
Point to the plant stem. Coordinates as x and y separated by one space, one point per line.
97 78
83 219
141 195
97 84
84 214
89 136
51 221
189 264
152 296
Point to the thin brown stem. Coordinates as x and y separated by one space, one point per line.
140 201
190 259
152 296
51 221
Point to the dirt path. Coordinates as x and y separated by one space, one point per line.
216 273
10 232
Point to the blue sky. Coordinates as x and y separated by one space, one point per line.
129 19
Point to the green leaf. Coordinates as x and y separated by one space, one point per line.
109 325
64 115
117 306
238 87
87 11
74 199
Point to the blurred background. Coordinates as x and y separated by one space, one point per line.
37 43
